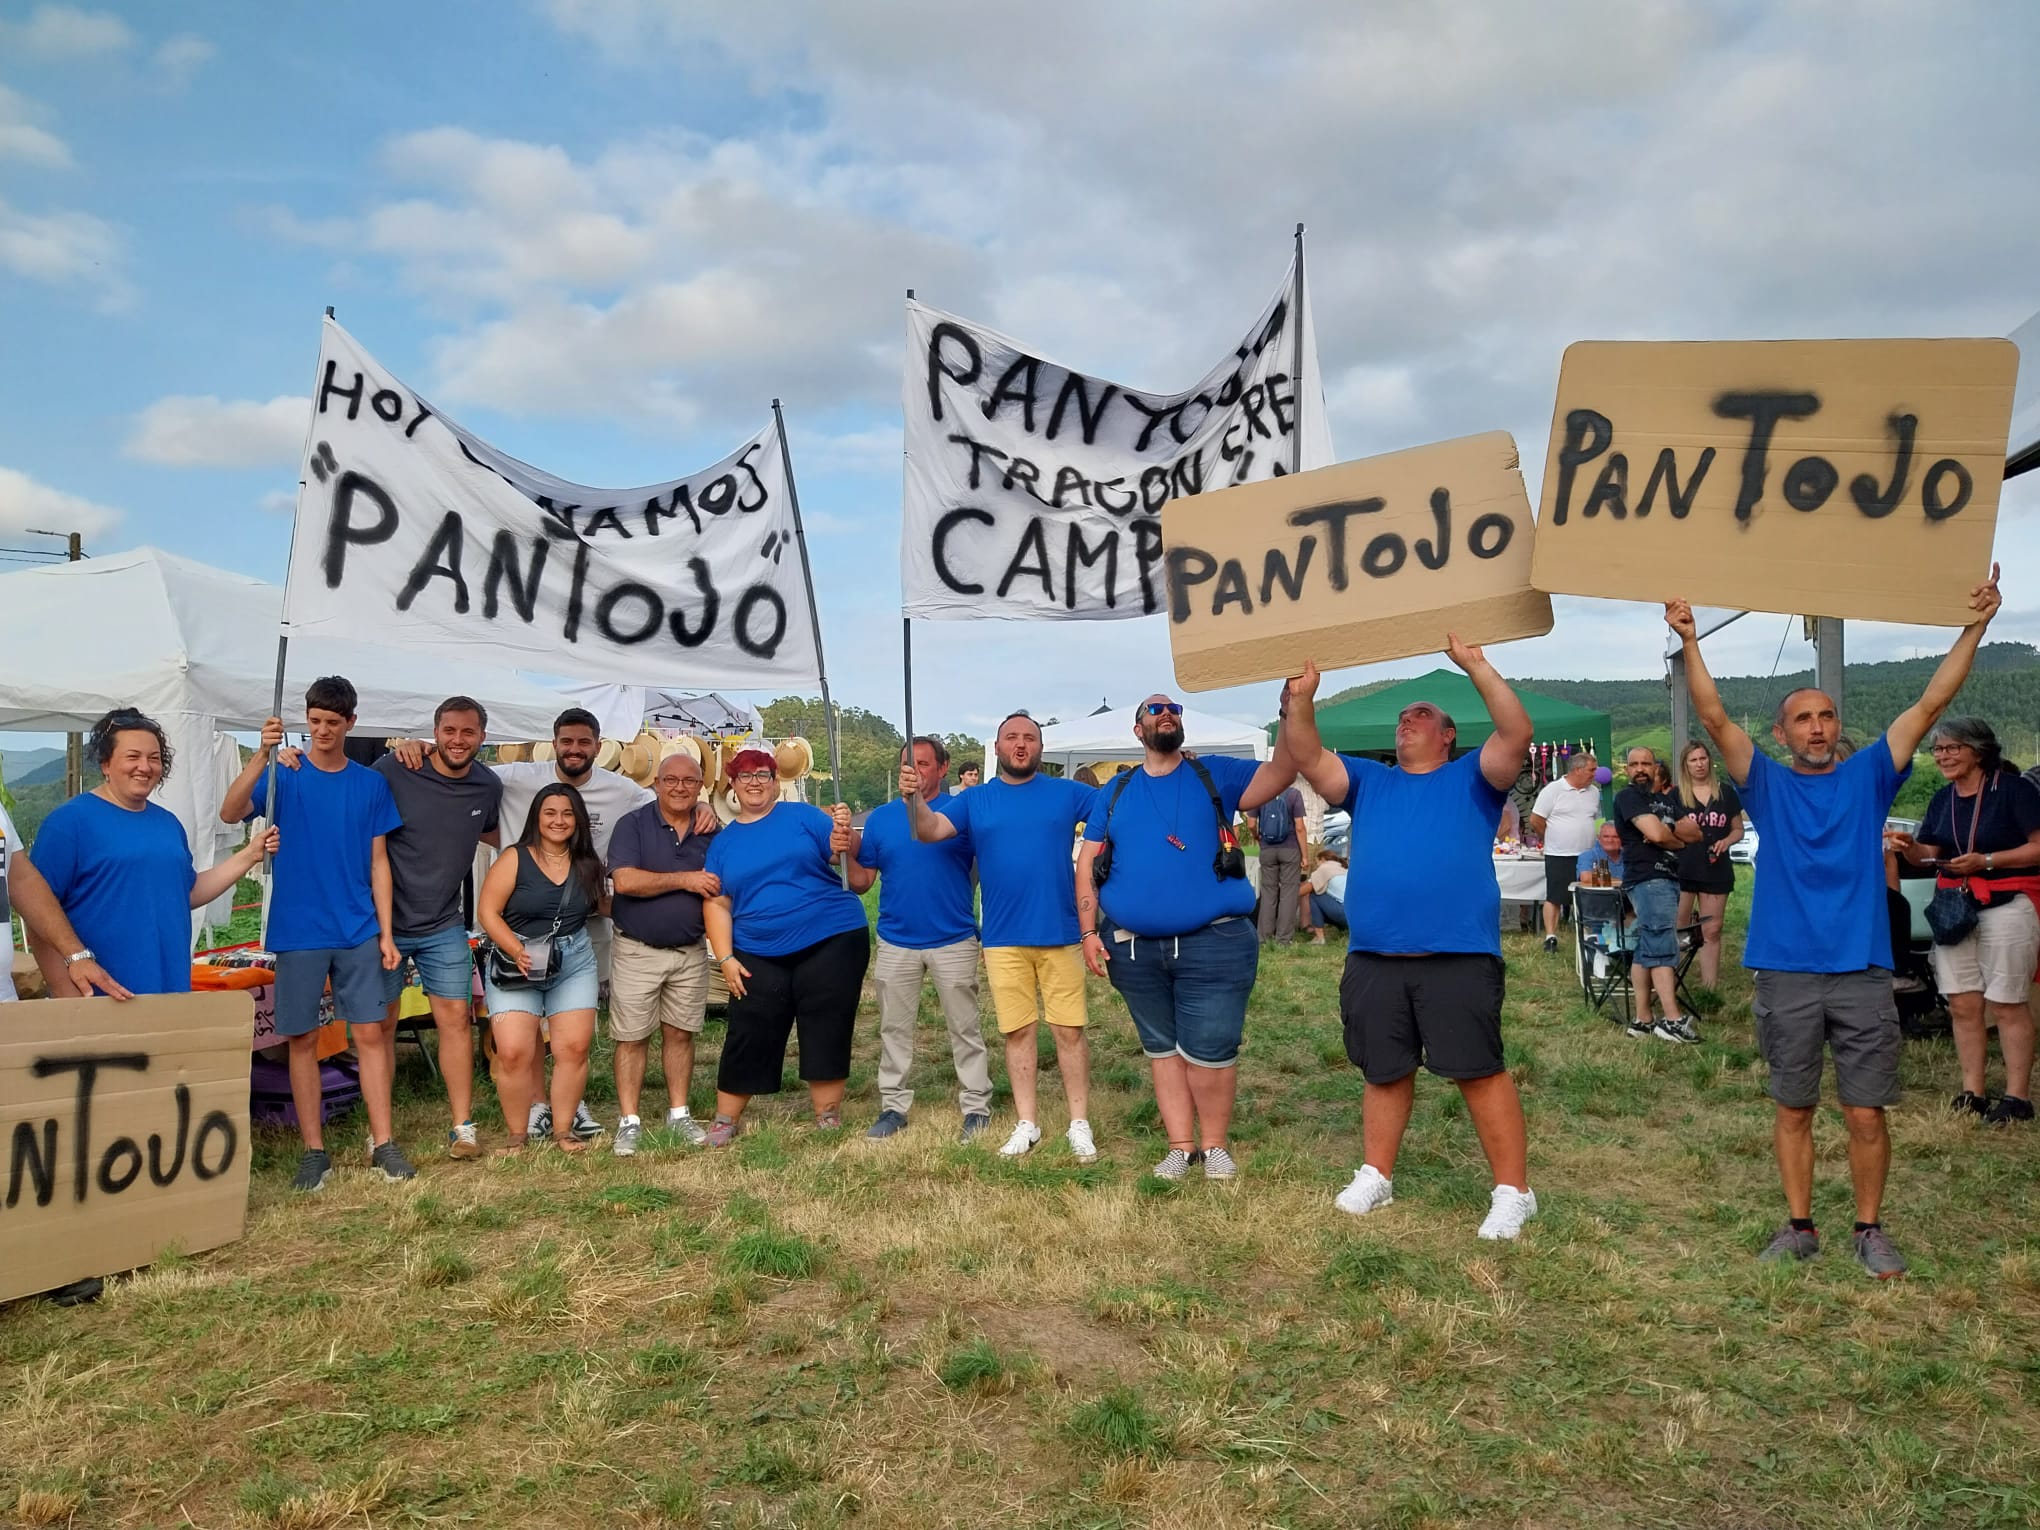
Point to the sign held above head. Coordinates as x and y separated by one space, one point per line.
1368 560
1851 478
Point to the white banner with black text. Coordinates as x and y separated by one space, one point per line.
1034 492
414 532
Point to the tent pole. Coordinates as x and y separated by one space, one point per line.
1296 382
807 575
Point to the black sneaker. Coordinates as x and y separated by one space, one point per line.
973 1124
2007 1110
889 1122
391 1160
1640 1029
77 1293
1551 942
1975 1104
313 1170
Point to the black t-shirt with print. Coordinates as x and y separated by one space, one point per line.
1643 861
1713 818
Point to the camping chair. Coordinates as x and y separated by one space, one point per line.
1604 937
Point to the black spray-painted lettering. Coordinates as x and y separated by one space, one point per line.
760 597
1863 488
1937 508
1333 518
695 636
1667 473
1080 551
440 560
118 1166
1809 482
969 372
341 531
1763 410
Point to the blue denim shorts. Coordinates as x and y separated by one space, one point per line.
356 973
446 967
573 987
1656 903
1187 993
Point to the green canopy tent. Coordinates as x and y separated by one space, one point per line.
1366 724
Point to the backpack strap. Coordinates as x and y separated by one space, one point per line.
1124 780
1226 837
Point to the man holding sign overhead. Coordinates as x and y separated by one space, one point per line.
1819 943
1423 980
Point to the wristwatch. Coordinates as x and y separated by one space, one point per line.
84 954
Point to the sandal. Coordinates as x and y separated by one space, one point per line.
570 1144
723 1133
829 1120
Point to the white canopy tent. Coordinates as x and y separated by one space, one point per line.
195 648
1109 736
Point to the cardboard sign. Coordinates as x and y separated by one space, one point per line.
1818 477
1376 559
125 1131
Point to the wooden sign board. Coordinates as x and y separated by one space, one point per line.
125 1132
1375 559
1853 478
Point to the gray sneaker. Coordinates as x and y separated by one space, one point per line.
538 1125
974 1124
1789 1242
628 1131
585 1126
1218 1164
888 1122
1877 1255
686 1128
391 1160
313 1170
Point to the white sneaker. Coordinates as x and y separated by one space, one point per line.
1025 1135
628 1132
1081 1145
690 1131
1508 1211
1370 1191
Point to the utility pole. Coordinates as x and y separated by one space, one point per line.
74 743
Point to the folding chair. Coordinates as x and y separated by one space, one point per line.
1604 933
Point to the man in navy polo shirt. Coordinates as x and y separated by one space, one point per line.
1172 925
927 928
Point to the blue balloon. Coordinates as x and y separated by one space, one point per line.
1603 774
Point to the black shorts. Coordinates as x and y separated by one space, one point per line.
1560 872
815 989
1718 878
1438 1012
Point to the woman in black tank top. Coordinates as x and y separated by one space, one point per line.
534 904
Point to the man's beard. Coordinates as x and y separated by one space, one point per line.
574 771
1165 740
1813 761
1018 772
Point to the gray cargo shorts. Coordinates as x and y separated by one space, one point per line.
1851 1014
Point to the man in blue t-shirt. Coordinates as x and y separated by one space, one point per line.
1819 940
1423 980
329 915
1023 827
927 929
1167 915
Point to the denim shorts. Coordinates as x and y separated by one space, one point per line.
1656 903
1187 993
573 987
446 967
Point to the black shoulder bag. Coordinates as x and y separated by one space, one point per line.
1229 864
1952 912
499 968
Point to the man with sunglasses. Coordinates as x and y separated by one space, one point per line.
1022 825
658 861
1166 912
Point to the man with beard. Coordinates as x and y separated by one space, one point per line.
1021 824
1423 982
1653 826
1819 942
1165 909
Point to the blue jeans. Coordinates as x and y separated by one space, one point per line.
446 967
572 987
1329 909
1656 903
1187 993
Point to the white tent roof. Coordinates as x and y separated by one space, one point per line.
169 635
1109 736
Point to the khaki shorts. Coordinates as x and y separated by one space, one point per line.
1021 975
1998 958
650 986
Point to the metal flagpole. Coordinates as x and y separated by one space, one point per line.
282 649
907 655
1296 383
807 575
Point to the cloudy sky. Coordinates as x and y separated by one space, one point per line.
605 233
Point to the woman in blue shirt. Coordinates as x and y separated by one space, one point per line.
792 944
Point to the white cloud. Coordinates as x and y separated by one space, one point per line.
187 431
279 502
66 249
63 31
24 142
24 503
178 58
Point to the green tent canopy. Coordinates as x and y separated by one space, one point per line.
1366 724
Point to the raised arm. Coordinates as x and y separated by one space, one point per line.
1274 776
239 805
1911 725
930 827
1501 757
1734 744
227 874
1296 735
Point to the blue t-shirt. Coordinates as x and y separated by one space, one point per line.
323 896
1819 902
925 895
1594 858
1025 835
124 881
1157 888
784 892
1429 883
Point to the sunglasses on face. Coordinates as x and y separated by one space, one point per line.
1157 708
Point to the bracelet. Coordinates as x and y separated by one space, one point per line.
1986 860
1089 935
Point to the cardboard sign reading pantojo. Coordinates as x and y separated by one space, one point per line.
125 1128
1376 559
1819 477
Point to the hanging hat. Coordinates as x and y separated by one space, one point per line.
607 754
542 750
511 754
794 758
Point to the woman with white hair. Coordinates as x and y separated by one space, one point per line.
1982 832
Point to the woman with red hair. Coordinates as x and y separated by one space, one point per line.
792 944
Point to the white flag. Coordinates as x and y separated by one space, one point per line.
1036 492
413 532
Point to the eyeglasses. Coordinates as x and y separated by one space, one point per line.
1946 747
1157 708
752 777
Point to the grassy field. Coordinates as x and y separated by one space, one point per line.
814 1332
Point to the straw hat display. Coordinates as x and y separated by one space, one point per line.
640 757
607 753
542 751
512 754
795 758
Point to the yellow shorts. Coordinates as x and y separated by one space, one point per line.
1021 975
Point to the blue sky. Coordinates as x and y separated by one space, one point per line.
604 233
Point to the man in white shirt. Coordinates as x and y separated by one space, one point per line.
1563 817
